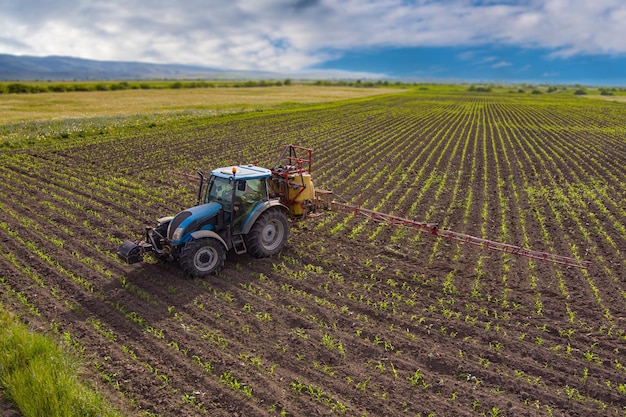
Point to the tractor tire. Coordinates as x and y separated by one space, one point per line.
202 257
268 234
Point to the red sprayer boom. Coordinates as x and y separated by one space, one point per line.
448 234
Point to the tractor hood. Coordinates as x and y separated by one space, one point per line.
202 217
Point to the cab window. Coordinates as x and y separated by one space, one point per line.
251 191
220 190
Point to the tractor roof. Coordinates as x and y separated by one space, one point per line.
243 172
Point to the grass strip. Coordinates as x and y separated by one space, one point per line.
40 378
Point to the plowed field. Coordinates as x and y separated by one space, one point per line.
352 317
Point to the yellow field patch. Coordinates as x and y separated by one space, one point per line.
46 106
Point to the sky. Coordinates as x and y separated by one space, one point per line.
550 41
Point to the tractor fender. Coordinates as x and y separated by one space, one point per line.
164 220
199 234
260 209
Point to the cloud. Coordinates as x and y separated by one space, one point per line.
501 64
290 35
466 55
11 43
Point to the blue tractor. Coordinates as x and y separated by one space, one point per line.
243 208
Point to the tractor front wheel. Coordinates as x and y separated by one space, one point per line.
268 234
202 257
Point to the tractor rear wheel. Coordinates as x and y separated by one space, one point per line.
268 234
202 257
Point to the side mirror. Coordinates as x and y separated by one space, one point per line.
241 186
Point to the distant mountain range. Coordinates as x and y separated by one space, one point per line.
23 68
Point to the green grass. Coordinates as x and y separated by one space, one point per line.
40 378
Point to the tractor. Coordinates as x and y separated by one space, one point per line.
248 209
245 208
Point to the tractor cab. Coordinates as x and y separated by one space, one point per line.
239 190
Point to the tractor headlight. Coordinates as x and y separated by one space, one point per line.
178 233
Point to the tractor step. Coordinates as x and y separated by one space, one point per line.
239 244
